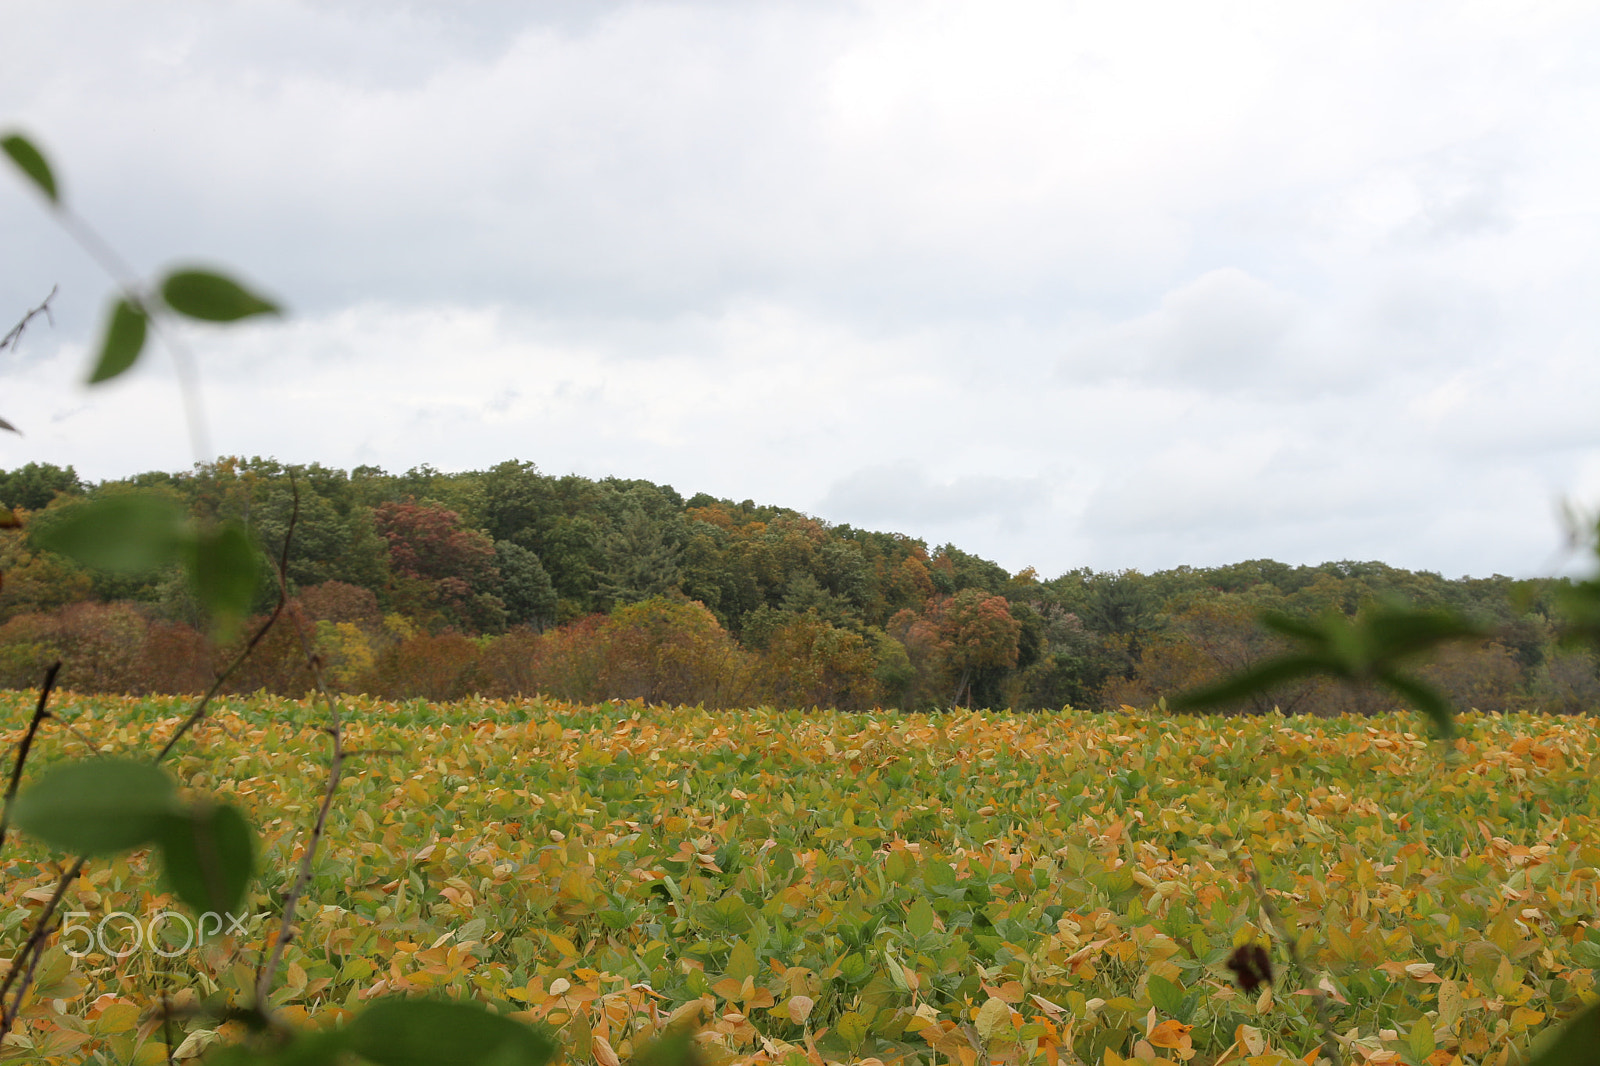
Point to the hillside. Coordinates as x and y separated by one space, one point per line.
508 581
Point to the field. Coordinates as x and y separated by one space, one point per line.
828 887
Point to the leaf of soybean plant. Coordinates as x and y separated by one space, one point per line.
223 571
1165 996
124 341
127 533
31 162
212 297
425 1032
1574 1044
208 856
97 807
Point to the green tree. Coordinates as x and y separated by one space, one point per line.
525 587
640 562
35 485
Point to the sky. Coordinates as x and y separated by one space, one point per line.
1120 285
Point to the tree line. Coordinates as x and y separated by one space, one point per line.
509 581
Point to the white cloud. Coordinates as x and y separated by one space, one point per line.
1096 285
901 496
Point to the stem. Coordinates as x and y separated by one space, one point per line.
33 949
335 730
12 339
204 702
39 715
199 711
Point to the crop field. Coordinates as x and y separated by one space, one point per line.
827 887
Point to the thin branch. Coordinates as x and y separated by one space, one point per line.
34 948
334 729
12 339
199 711
40 713
166 1025
204 702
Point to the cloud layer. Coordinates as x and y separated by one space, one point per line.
1051 283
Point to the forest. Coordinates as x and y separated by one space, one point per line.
510 581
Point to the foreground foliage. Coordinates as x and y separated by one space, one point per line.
838 887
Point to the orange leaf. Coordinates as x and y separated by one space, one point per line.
1171 1034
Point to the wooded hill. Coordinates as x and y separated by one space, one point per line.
509 581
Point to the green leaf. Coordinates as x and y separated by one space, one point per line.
1425 699
1366 648
1575 1043
1239 686
31 162
676 1047
126 533
1580 609
98 806
123 343
1291 627
303 1049
919 920
212 297
208 856
1165 996
222 568
426 1032
1396 631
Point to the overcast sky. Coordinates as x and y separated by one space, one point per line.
1117 285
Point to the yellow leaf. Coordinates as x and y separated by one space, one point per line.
1526 1018
604 1054
117 1018
1449 1003
991 1016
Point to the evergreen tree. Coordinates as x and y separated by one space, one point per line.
525 588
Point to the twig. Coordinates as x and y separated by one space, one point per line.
40 713
166 1025
12 339
15 1006
83 738
199 711
200 706
334 729
34 948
